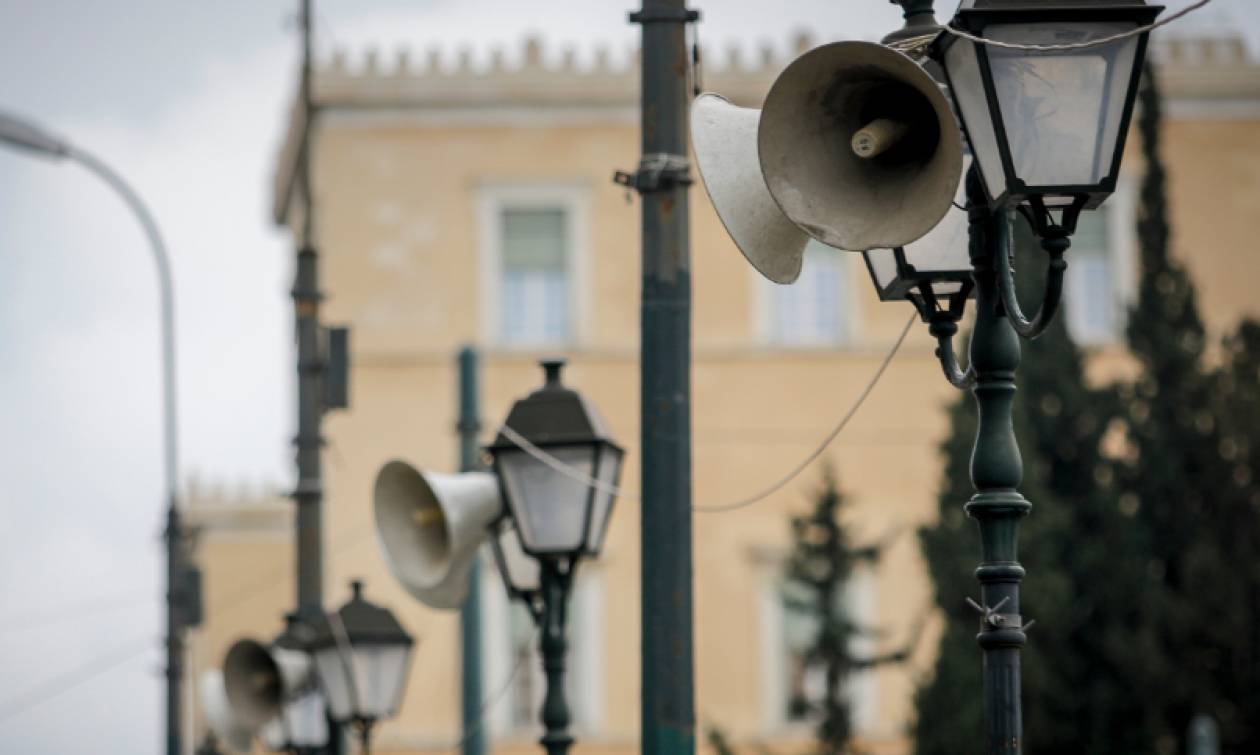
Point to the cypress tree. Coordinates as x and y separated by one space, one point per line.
1190 482
821 565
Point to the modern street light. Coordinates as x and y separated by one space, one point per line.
558 468
182 580
362 656
1045 90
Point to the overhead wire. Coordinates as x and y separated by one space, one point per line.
79 611
65 682
1101 41
576 474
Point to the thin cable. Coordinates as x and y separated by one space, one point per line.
844 421
79 611
576 474
63 683
1079 45
493 699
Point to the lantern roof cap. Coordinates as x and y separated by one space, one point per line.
365 623
1042 5
554 414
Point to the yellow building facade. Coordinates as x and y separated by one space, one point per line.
474 205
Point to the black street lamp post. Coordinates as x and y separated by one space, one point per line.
361 656
1045 92
558 469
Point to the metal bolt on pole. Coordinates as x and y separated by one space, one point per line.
474 734
668 705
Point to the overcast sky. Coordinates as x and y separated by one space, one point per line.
186 100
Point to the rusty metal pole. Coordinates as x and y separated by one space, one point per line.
668 705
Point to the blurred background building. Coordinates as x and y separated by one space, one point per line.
475 205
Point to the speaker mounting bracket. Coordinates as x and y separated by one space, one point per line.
659 171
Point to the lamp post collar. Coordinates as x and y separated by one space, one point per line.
920 21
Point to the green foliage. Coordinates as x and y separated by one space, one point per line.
821 564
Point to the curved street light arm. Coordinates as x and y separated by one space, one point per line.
944 329
1055 241
166 295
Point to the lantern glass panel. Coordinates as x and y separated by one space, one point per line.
549 506
519 570
367 682
967 86
883 266
301 723
608 476
335 682
944 248
1062 110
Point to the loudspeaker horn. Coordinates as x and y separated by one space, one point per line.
724 137
430 527
859 147
227 728
260 678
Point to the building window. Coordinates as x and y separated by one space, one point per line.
531 260
795 685
805 683
1095 309
535 277
814 311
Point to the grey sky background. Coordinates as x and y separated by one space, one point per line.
186 99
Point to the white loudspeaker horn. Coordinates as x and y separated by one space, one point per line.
859 147
725 140
227 728
430 527
260 678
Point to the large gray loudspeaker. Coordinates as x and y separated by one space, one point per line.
855 146
260 678
430 527
227 727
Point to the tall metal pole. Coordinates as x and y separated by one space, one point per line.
996 471
309 493
474 733
668 705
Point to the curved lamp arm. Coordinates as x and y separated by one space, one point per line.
21 133
943 329
1055 242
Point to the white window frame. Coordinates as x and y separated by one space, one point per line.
1122 248
585 661
863 687
492 201
763 307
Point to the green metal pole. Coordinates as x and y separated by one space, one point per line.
474 732
996 471
668 705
